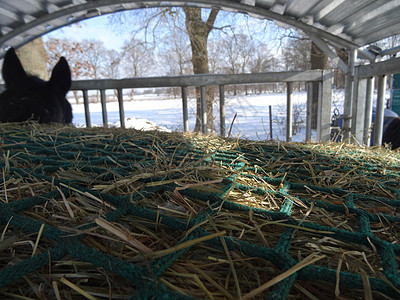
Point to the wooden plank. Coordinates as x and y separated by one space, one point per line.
222 110
104 107
309 110
203 109
197 80
121 107
86 105
358 109
368 110
324 108
386 67
348 99
289 112
185 110
380 108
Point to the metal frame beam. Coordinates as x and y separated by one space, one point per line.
324 107
390 66
324 77
198 80
71 15
348 99
358 109
332 55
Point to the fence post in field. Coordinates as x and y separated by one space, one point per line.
185 109
324 107
380 107
121 107
86 105
368 110
289 112
222 110
309 110
104 107
270 122
203 109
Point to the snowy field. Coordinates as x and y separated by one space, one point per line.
252 121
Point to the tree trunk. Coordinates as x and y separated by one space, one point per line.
319 60
198 32
76 96
34 58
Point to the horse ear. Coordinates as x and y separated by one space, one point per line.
13 72
61 76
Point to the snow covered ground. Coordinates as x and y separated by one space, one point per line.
252 121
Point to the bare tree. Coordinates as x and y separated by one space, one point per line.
390 42
238 51
197 29
216 56
112 62
86 58
176 55
245 48
263 61
318 60
94 53
302 54
137 57
296 54
231 61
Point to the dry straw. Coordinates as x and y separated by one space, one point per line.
160 175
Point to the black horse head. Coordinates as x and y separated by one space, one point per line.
30 98
391 134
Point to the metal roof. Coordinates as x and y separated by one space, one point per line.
347 23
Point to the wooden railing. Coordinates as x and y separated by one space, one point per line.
359 109
323 77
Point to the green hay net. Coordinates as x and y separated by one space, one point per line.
261 209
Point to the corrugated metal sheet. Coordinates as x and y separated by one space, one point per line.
348 23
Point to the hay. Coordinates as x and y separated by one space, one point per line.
112 213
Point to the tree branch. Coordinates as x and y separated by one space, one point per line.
211 19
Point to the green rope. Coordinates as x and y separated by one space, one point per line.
111 159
